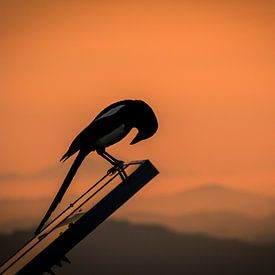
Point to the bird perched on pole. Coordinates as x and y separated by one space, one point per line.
109 127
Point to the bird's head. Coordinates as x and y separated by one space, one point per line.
145 121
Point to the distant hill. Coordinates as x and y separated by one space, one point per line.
211 209
209 198
122 248
21 213
24 213
221 224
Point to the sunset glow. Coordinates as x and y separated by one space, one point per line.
207 69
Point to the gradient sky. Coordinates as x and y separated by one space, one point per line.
206 67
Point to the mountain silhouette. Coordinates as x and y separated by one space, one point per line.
211 209
123 248
220 224
208 198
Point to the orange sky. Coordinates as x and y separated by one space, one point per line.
206 67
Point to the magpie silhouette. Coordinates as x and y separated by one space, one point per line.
109 127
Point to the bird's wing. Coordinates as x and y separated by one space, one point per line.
106 121
113 109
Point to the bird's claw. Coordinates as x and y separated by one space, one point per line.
117 167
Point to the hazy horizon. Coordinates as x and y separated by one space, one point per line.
206 68
211 210
151 249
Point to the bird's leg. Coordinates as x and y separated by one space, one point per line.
118 166
115 162
102 154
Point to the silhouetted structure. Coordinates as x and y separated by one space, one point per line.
109 127
50 246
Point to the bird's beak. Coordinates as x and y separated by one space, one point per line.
136 139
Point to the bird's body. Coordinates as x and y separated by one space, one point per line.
109 127
113 124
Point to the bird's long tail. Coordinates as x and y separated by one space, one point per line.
66 183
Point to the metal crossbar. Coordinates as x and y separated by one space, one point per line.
80 218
